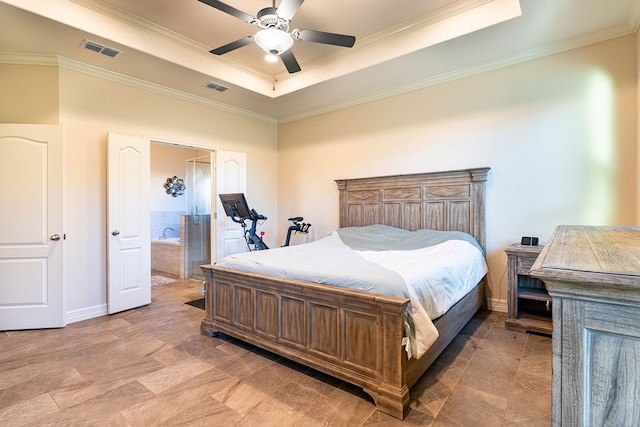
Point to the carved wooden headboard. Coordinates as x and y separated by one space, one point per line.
449 200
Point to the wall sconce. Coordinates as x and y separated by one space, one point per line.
175 186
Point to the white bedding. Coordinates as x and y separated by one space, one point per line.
433 277
453 269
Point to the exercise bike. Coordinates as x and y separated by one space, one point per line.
236 207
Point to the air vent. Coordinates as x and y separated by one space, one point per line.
97 47
216 86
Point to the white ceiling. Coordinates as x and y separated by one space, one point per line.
401 45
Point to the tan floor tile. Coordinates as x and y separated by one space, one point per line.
104 406
490 372
414 418
434 387
104 379
460 351
322 384
500 340
539 364
241 397
207 413
245 365
151 367
444 421
173 402
470 407
270 412
27 411
297 396
525 405
170 376
42 382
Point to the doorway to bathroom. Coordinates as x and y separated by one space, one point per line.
180 197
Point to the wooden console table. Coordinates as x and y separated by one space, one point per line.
593 276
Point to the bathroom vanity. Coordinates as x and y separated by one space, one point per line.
593 276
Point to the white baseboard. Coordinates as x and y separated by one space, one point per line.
497 305
86 313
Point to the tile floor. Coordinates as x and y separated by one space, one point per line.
151 367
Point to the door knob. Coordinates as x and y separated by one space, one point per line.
55 237
115 232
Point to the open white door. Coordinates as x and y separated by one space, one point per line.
128 223
31 235
231 177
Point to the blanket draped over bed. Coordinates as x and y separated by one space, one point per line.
433 269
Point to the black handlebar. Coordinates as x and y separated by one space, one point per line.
256 215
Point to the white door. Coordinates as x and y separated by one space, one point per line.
231 177
128 223
31 234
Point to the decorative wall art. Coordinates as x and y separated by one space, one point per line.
175 186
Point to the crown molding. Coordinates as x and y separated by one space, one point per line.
73 65
521 57
505 61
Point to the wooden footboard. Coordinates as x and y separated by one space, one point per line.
352 335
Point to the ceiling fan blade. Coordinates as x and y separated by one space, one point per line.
232 46
325 38
288 8
290 61
230 10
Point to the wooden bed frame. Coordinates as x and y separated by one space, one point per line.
354 335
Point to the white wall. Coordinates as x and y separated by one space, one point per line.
559 134
168 161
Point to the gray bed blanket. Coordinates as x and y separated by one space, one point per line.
385 238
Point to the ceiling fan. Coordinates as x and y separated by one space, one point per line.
274 36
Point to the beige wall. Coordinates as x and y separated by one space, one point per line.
638 126
29 94
91 107
559 134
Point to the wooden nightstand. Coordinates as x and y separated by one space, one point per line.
529 303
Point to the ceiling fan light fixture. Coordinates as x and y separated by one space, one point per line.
273 41
269 57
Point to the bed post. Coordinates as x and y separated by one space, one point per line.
342 211
478 201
